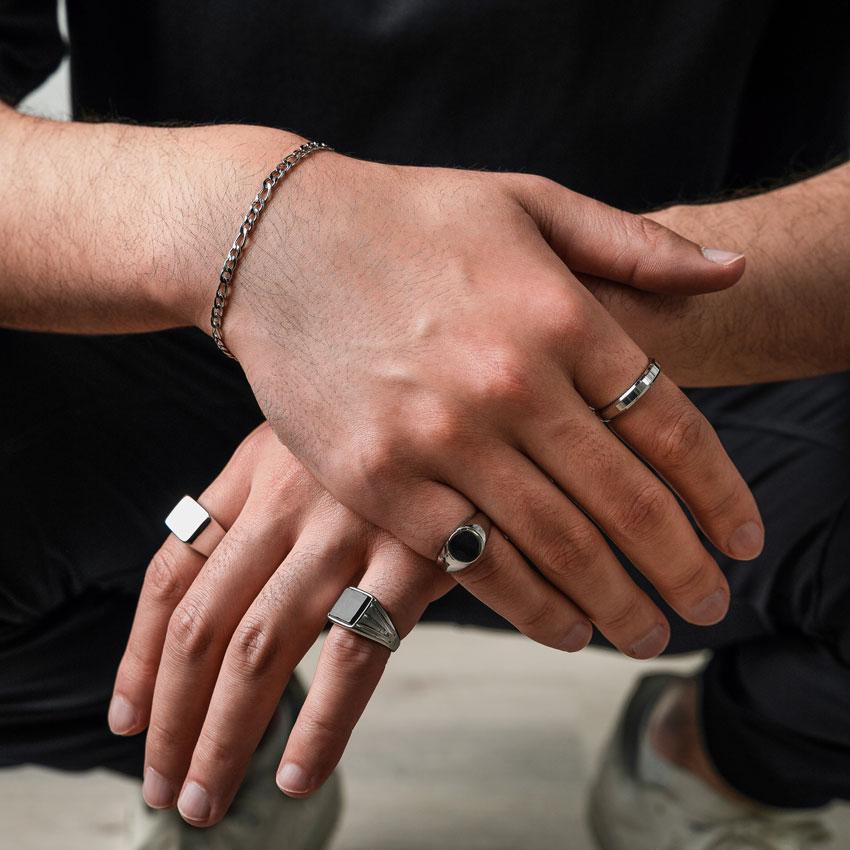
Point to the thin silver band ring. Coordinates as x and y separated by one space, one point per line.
631 396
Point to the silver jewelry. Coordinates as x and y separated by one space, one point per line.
251 217
360 612
625 400
465 545
190 522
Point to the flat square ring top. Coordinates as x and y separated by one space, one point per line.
361 612
187 520
350 606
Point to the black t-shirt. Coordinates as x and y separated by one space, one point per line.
639 103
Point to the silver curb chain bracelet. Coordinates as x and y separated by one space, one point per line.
251 217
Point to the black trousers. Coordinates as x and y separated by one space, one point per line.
101 436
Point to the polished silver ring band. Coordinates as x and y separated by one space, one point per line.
190 522
630 397
359 611
465 545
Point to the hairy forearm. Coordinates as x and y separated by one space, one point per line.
789 316
114 228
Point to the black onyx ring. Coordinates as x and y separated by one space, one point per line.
465 544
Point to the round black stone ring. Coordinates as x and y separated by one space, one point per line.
465 544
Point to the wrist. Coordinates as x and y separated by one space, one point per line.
221 170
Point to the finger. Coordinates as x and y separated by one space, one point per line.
501 578
635 509
168 577
670 434
593 238
279 627
567 548
350 668
197 636
505 582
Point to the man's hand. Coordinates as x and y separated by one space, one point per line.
788 317
417 338
215 641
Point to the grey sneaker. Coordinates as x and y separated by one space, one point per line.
261 817
639 801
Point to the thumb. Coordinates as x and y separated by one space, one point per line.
596 239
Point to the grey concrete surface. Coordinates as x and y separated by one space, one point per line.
473 741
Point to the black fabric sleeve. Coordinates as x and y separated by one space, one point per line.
795 114
30 46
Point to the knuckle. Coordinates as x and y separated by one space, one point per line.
645 512
502 378
533 191
538 182
379 460
255 650
720 503
215 757
573 554
164 582
162 742
321 730
440 431
190 630
569 322
373 465
679 443
137 667
537 622
621 616
639 231
652 234
688 582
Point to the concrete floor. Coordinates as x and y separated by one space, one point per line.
474 740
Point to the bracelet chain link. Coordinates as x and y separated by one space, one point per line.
251 217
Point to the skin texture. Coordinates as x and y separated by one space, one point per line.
417 339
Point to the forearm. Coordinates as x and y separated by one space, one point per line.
114 228
789 316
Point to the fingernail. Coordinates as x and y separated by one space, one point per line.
747 541
157 790
578 637
721 257
194 803
651 644
122 717
713 608
293 779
